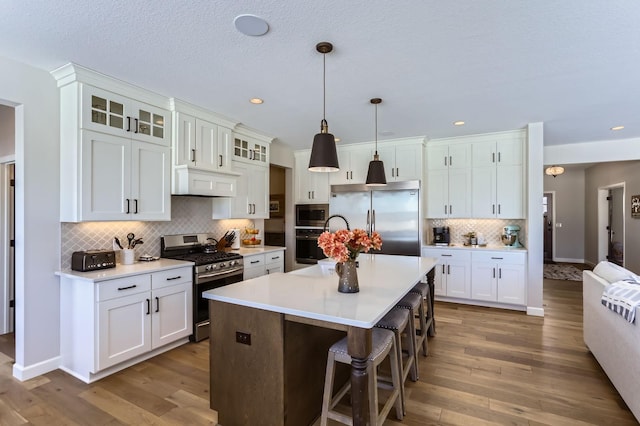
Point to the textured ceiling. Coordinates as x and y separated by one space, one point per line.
496 64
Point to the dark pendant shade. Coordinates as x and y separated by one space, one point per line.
375 175
324 157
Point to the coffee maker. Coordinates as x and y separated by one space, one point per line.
510 236
441 236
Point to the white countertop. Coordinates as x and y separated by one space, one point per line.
248 251
489 247
313 292
121 271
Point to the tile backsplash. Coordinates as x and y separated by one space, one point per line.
491 229
188 215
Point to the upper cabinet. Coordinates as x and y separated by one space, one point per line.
115 155
248 149
448 180
106 112
201 144
354 164
309 187
402 161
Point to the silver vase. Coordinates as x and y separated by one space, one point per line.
348 277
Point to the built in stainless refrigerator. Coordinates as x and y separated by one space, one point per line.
392 210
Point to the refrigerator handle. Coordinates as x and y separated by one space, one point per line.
373 221
368 221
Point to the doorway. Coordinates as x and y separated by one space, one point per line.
611 223
548 217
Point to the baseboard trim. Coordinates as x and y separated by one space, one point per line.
567 260
23 373
536 312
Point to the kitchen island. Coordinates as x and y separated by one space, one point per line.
270 336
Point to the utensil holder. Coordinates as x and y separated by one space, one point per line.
128 256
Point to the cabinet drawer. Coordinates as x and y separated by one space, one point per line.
120 287
171 276
254 260
274 257
444 254
499 257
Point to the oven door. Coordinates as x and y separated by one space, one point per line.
307 250
311 214
205 282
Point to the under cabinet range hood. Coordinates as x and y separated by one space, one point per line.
188 181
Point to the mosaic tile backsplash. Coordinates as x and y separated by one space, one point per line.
491 229
188 215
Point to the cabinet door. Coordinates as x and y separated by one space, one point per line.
509 152
360 156
483 154
437 193
483 188
511 284
185 141
172 314
124 329
253 272
274 262
408 162
240 203
150 180
259 192
440 279
106 177
150 124
509 192
459 156
250 151
310 187
225 140
437 157
272 269
460 193
484 281
458 279
105 112
206 154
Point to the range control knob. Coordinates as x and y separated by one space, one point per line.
233 263
222 265
207 268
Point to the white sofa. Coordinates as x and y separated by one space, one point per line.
613 341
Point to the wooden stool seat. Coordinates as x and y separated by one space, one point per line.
382 344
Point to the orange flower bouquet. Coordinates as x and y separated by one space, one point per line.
344 245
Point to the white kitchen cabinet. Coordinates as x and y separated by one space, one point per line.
452 272
274 262
498 178
107 112
201 144
111 324
254 266
354 164
448 181
309 187
402 161
498 277
252 195
114 149
120 179
250 150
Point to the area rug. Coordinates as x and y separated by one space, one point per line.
562 272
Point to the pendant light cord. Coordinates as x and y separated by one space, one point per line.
376 135
324 86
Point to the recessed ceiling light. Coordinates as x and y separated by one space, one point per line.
617 128
251 25
458 123
256 101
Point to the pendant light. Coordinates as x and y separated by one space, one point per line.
324 157
375 175
554 170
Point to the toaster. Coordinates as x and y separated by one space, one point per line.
92 260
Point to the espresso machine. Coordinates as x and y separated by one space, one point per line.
510 236
441 236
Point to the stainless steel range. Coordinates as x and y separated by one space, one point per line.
212 269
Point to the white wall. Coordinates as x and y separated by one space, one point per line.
35 95
7 131
535 139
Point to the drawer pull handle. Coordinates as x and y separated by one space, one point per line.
157 304
174 278
127 288
148 306
500 258
274 258
446 255
255 261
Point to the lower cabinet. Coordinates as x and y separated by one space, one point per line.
480 275
257 265
498 277
110 323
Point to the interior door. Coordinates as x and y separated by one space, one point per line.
615 228
547 217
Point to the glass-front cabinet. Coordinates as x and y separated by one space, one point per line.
106 112
250 151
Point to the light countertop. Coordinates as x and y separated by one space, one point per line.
248 251
121 271
488 247
313 292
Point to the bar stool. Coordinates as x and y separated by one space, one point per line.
383 344
413 302
397 320
423 290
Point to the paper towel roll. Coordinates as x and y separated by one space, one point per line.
236 241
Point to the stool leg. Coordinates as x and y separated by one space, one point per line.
328 389
399 362
423 329
373 393
398 385
414 346
431 301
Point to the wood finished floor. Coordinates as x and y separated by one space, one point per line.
487 366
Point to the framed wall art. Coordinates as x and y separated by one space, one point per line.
635 206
